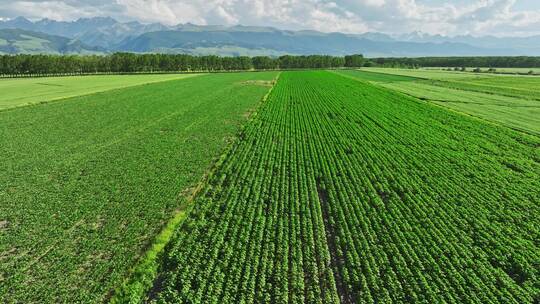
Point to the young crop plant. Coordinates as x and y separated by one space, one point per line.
512 101
339 191
88 182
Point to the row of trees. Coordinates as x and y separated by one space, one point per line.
494 62
150 63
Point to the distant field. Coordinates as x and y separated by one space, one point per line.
323 187
427 74
527 87
378 77
518 70
21 91
87 183
502 70
513 101
343 192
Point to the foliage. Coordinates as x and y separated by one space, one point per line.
512 101
87 183
343 192
354 61
482 61
150 63
377 77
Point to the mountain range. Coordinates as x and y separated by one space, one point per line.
16 41
104 35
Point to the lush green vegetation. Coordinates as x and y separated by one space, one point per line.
426 73
88 183
22 91
339 191
24 64
478 61
527 87
520 71
377 77
35 65
513 101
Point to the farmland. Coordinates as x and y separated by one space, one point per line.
535 71
88 182
339 191
272 187
23 91
526 87
425 73
513 101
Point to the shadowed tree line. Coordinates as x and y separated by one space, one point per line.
41 65
494 62
154 63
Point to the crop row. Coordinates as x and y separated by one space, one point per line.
87 182
485 97
339 191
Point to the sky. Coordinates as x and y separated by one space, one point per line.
475 17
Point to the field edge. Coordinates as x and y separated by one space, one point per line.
64 98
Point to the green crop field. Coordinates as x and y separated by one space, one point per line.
535 71
513 101
86 184
272 187
426 74
22 91
339 191
525 87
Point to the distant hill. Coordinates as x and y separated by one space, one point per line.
98 31
16 41
107 34
521 45
299 43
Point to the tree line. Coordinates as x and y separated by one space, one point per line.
457 62
36 65
24 64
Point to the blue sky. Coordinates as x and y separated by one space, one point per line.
476 17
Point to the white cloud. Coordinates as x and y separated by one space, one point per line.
57 10
377 3
160 11
353 16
